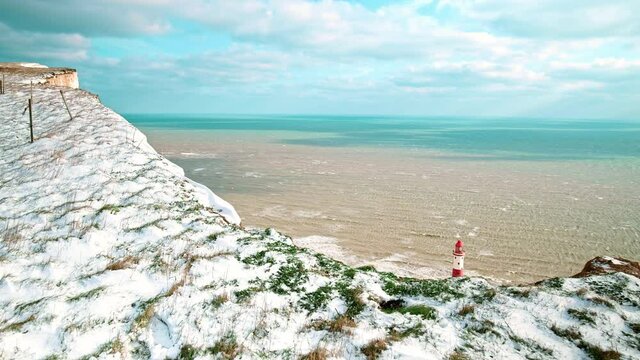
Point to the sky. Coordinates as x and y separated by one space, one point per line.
510 58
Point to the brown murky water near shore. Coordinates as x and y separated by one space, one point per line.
402 209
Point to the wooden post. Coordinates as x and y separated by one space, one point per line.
65 105
2 85
31 120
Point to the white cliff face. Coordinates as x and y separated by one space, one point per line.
69 80
26 73
108 251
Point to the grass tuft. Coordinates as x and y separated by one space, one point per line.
142 321
597 353
457 355
488 295
341 324
187 352
17 326
317 354
467 309
584 316
123 263
227 347
374 348
219 300
87 295
399 334
570 333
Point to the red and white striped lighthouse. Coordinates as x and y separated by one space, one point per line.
458 260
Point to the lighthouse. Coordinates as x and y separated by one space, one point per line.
458 260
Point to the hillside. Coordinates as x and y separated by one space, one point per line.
108 251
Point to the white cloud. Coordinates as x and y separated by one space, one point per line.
341 28
553 18
454 49
16 45
89 18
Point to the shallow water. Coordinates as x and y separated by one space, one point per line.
530 199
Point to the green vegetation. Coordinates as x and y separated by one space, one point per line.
20 308
227 347
426 312
214 237
584 316
259 259
17 325
329 266
187 352
111 347
112 208
601 301
367 268
554 283
615 287
350 273
289 278
340 324
484 327
317 299
571 333
399 334
537 348
219 300
284 248
352 298
487 295
245 294
416 287
520 292
86 295
597 353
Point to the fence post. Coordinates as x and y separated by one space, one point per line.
2 85
65 105
31 120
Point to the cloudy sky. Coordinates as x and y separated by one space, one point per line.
533 58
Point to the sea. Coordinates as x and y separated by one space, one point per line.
530 198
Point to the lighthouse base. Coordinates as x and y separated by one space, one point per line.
457 273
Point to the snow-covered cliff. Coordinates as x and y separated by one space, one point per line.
108 251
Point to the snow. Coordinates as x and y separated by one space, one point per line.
207 198
108 251
32 65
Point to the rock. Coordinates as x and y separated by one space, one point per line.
605 265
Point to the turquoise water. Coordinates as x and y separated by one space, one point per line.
500 139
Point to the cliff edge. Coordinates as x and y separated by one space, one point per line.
108 251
